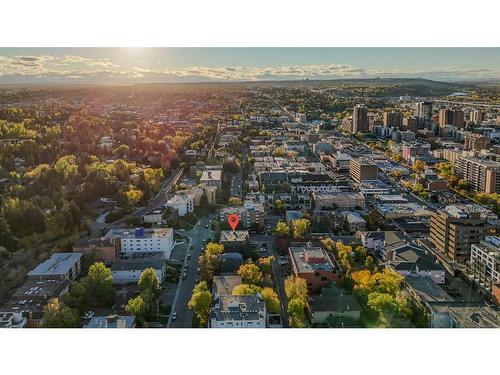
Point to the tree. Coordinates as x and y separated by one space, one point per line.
282 230
213 248
56 315
100 284
279 207
296 312
66 167
121 151
136 307
149 285
133 196
271 300
201 302
301 228
296 288
360 252
6 238
328 244
266 264
245 289
418 166
250 273
235 201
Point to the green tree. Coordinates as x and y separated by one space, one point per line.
418 166
201 302
328 244
136 307
282 230
56 315
213 248
279 207
296 307
245 289
271 300
149 285
100 284
133 196
301 228
250 273
66 167
296 288
121 151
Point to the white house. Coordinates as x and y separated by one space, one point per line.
143 240
183 203
248 311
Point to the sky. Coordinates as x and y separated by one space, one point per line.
172 65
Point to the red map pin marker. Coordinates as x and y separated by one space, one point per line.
233 221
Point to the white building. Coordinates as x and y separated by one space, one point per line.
484 265
12 319
212 178
248 311
154 216
183 203
143 240
125 271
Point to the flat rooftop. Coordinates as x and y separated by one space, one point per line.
311 259
237 235
58 264
145 233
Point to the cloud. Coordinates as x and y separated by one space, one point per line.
47 68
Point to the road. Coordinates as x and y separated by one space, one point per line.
185 287
278 279
160 198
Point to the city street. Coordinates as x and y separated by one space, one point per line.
185 287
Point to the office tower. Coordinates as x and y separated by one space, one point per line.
363 170
453 231
393 119
360 118
453 117
424 112
483 175
411 123
476 142
477 116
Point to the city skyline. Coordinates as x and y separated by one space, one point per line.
178 65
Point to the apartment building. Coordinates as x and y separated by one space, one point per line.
143 240
363 169
476 142
453 231
484 263
313 264
453 117
247 311
360 118
483 175
393 119
183 203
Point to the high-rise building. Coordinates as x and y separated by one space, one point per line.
411 123
483 175
476 142
453 231
424 112
477 116
453 117
393 119
360 119
363 170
